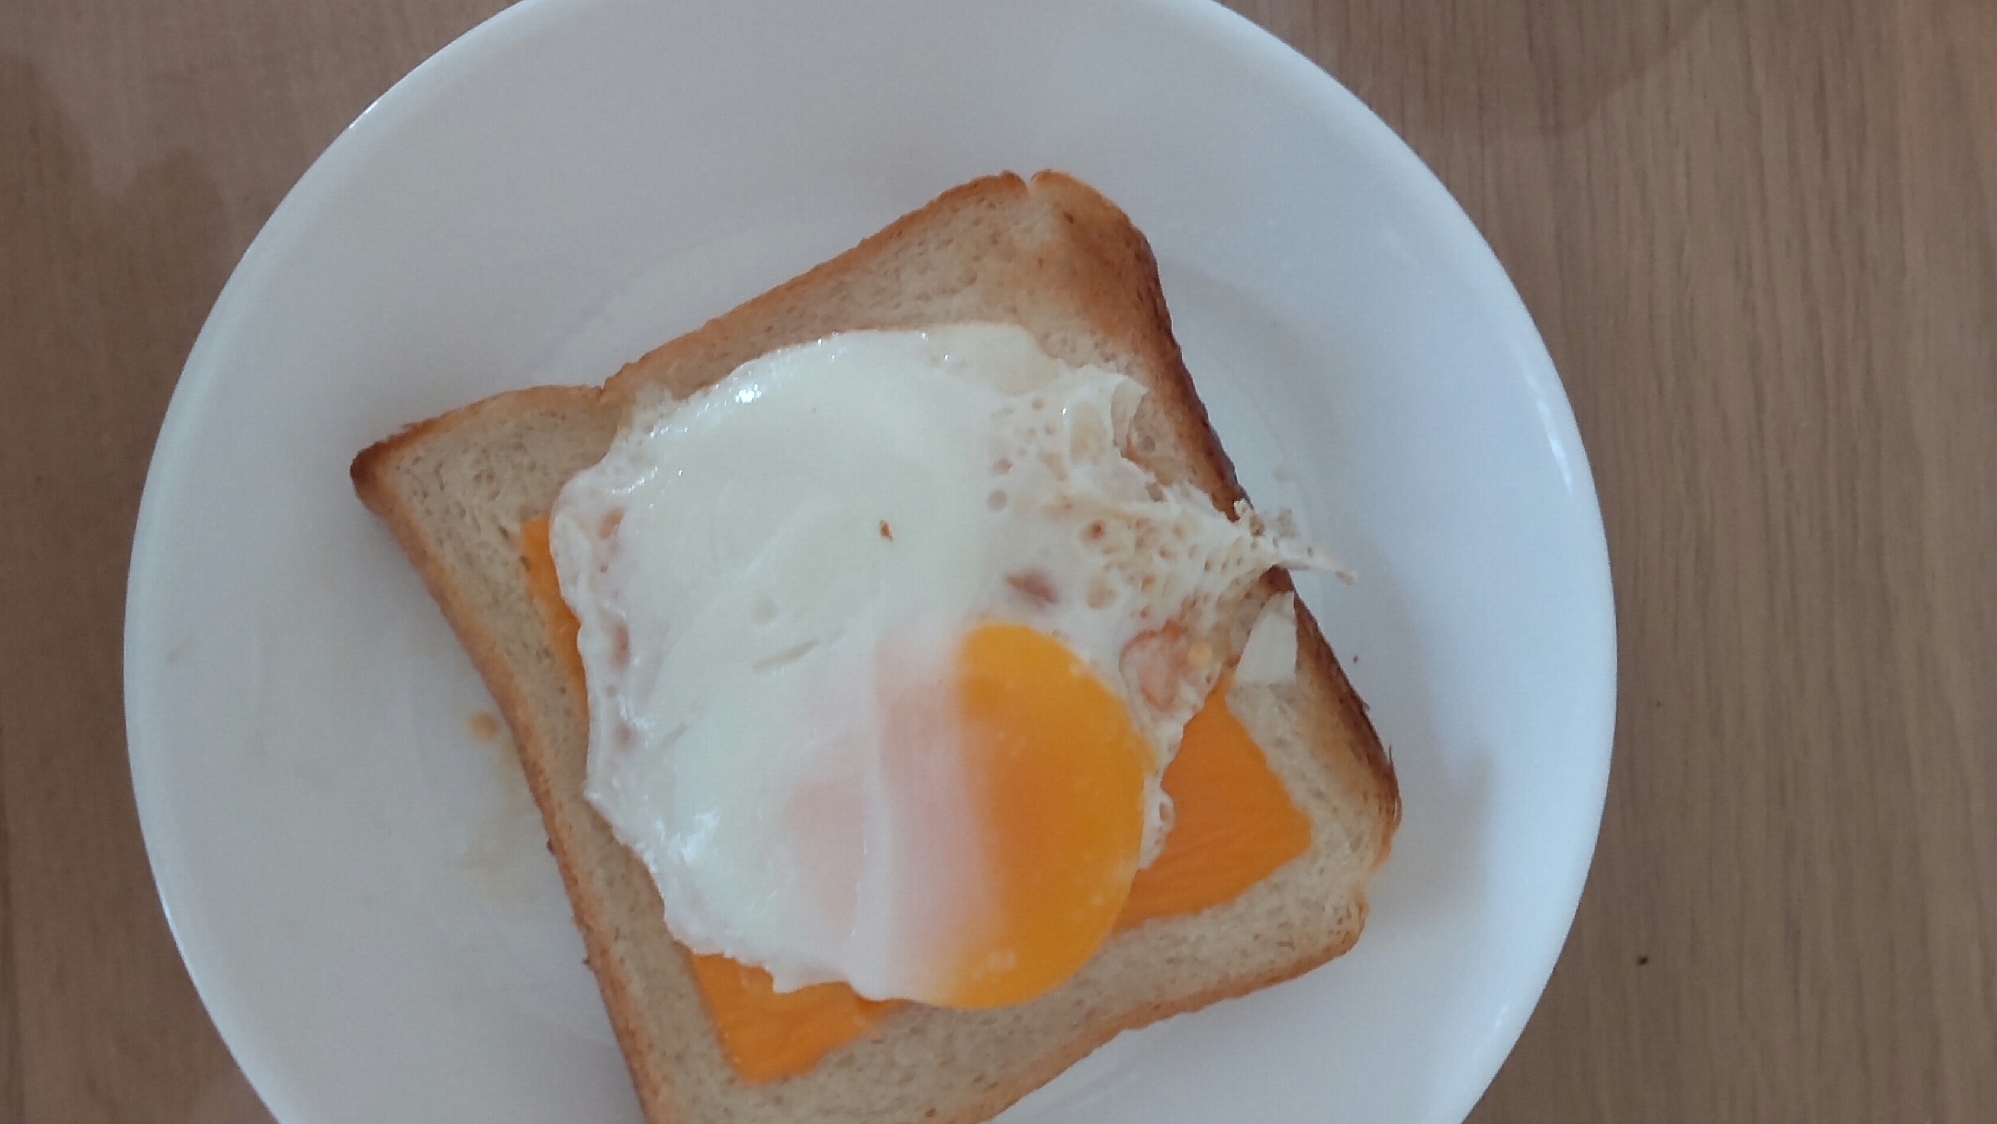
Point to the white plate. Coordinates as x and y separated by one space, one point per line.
356 879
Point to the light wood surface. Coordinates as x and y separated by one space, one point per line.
1761 241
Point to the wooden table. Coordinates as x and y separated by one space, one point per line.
1761 240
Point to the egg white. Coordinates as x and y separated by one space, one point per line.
738 560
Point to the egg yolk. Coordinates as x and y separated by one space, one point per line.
1060 767
1055 768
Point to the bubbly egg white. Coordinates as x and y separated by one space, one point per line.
737 561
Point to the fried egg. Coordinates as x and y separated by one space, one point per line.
887 644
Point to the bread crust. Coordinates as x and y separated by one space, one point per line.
1052 254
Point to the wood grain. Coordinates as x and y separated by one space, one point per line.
1760 238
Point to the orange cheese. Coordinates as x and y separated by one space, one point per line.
770 1034
545 586
1234 825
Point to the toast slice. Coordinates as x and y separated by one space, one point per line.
1056 257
